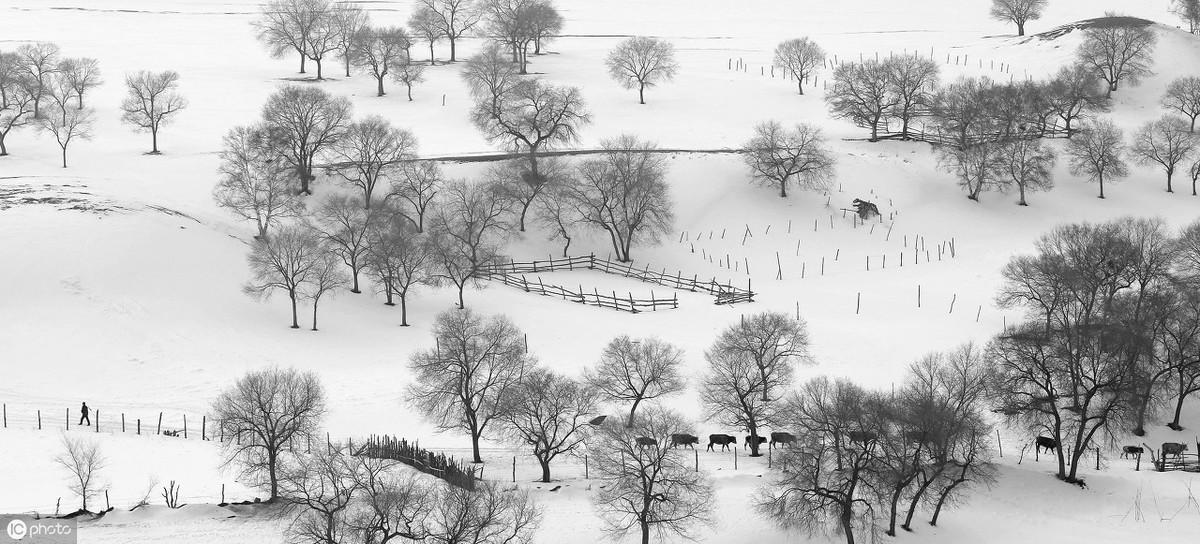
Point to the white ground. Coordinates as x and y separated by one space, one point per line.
139 311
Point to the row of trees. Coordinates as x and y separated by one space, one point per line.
41 88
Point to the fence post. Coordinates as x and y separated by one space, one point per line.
514 476
696 453
585 467
97 420
122 421
6 415
185 426
735 456
159 431
139 426
203 427
39 412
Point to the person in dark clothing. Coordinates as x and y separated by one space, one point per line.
83 415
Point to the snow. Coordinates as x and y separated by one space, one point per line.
137 308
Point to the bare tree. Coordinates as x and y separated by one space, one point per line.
649 490
533 116
80 74
636 371
510 23
152 101
558 216
624 193
370 150
74 124
1118 53
1099 153
776 156
325 35
345 225
378 50
545 22
732 393
523 187
319 489
456 19
17 98
417 184
39 61
489 515
467 232
1018 12
284 26
266 411
284 262
641 62
550 413
391 507
1183 96
348 21
799 57
311 121
772 342
409 74
427 24
399 258
863 94
326 278
1166 142
490 76
465 383
255 179
1074 91
1027 164
83 460
1189 11
975 165
914 81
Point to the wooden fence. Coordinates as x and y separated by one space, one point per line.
453 471
512 274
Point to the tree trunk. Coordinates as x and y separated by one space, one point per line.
347 65
452 57
800 85
314 325
460 295
319 78
409 85
847 520
783 188
303 59
64 156
271 466
295 318
545 470
754 442
475 444
1021 202
354 269
642 93
645 532
1020 28
916 498
629 422
3 149
1101 185
1170 175
153 141
379 86
404 309
431 62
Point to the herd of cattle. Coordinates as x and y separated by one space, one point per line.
1169 449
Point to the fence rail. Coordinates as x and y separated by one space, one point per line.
439 465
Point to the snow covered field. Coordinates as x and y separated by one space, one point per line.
134 302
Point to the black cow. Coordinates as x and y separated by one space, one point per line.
761 440
1131 450
862 436
645 441
1045 442
1174 449
782 438
724 440
684 440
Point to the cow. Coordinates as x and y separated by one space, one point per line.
782 439
1174 449
1131 450
645 441
760 440
1045 442
862 436
723 439
684 440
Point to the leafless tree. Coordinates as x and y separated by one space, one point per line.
489 515
369 151
1026 164
732 393
649 490
800 58
417 183
17 96
284 25
976 166
490 76
409 74
391 507
624 193
311 121
1074 91
961 112
255 181
152 101
319 490
1166 142
348 21
81 74
264 412
545 22
772 342
914 81
39 61
465 382
776 156
326 278
325 35
1099 152
636 371
550 413
524 188
1018 12
1118 53
533 116
510 23
399 258
641 62
863 94
345 225
284 262
74 124
83 460
378 50
456 19
1183 96
60 94
558 216
425 23
1189 11
467 232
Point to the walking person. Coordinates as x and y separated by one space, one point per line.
83 415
